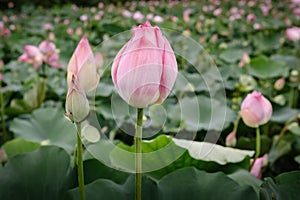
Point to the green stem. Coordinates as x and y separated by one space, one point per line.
138 154
258 141
80 162
258 144
291 96
5 136
236 124
75 156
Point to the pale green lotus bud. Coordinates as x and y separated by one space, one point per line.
77 104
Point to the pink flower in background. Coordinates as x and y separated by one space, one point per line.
126 13
32 55
231 139
251 17
48 26
84 18
3 30
66 22
70 31
10 4
82 67
258 165
293 33
158 19
47 48
138 16
97 17
257 26
100 5
12 27
174 19
256 109
145 69
296 12
150 16
186 15
218 11
245 60
1 77
295 1
50 56
78 31
46 52
287 21
279 84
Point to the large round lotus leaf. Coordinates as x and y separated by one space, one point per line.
48 126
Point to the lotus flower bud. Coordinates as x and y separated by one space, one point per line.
256 109
279 84
294 76
77 104
293 33
82 78
258 165
145 69
82 65
231 139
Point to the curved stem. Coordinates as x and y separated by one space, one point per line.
80 163
138 154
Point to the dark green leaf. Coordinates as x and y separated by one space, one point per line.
264 68
42 174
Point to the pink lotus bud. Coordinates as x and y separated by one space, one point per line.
256 109
279 84
150 16
48 26
77 104
251 17
231 139
138 16
257 26
32 55
145 69
70 31
82 66
245 60
78 31
258 165
217 12
158 19
84 18
126 13
293 33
